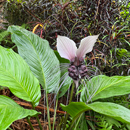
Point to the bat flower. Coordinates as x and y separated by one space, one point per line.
68 50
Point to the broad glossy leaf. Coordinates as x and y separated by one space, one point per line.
103 87
10 111
38 55
17 76
113 110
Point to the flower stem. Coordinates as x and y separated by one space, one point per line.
37 119
48 113
9 128
29 122
71 95
55 112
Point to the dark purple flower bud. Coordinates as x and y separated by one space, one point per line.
83 67
73 67
81 72
74 76
71 74
74 71
70 69
77 69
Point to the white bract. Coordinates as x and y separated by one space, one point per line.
68 50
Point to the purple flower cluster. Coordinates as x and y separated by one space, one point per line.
77 69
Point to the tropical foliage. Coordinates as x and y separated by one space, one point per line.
34 71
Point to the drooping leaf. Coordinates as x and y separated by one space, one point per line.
16 75
103 87
113 110
65 81
38 55
10 111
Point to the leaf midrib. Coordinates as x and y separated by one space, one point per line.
108 86
37 56
15 80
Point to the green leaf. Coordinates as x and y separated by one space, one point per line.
75 108
127 42
113 110
65 81
16 75
121 52
91 124
38 55
103 87
10 111
128 126
3 34
112 121
83 124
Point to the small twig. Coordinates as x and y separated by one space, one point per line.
14 126
39 107
32 14
97 9
43 124
91 119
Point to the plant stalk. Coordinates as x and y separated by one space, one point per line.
39 122
29 122
13 47
55 112
71 95
48 114
38 119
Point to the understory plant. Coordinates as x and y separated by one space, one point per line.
38 67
